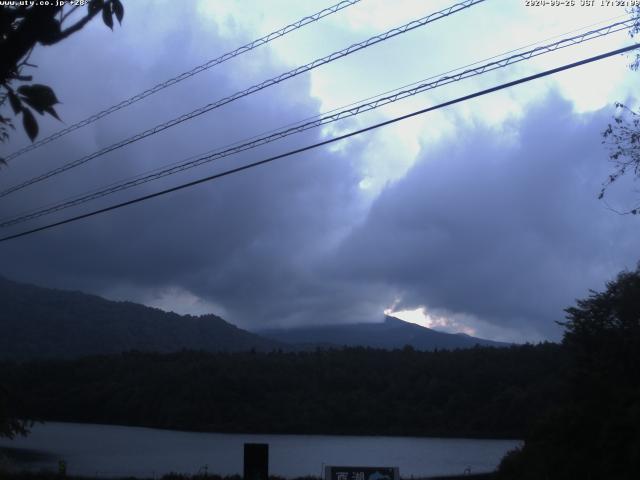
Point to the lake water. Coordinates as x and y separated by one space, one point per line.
111 451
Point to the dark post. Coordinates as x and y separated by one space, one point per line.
256 461
62 469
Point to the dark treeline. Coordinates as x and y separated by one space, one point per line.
479 392
594 430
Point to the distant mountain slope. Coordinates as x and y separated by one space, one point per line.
39 322
390 334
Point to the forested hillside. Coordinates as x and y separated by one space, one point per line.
40 322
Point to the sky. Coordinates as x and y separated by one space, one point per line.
481 217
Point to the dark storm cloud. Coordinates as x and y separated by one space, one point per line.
508 233
246 242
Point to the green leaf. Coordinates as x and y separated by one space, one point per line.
106 16
15 102
38 96
95 6
118 9
52 112
34 105
30 124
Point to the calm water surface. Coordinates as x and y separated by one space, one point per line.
110 451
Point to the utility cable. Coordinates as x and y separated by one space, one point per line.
201 159
324 142
183 76
267 83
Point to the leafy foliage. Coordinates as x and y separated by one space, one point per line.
623 135
635 11
595 432
39 97
23 27
623 138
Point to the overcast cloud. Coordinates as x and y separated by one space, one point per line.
484 216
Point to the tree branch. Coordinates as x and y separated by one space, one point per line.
66 15
76 26
24 38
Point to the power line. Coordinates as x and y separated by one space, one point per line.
325 142
201 159
183 76
313 117
267 83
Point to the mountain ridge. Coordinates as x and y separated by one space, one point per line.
39 323
390 334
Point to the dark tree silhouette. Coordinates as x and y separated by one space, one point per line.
595 431
9 425
623 134
22 28
476 392
623 139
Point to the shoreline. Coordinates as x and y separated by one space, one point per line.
24 458
50 475
187 429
